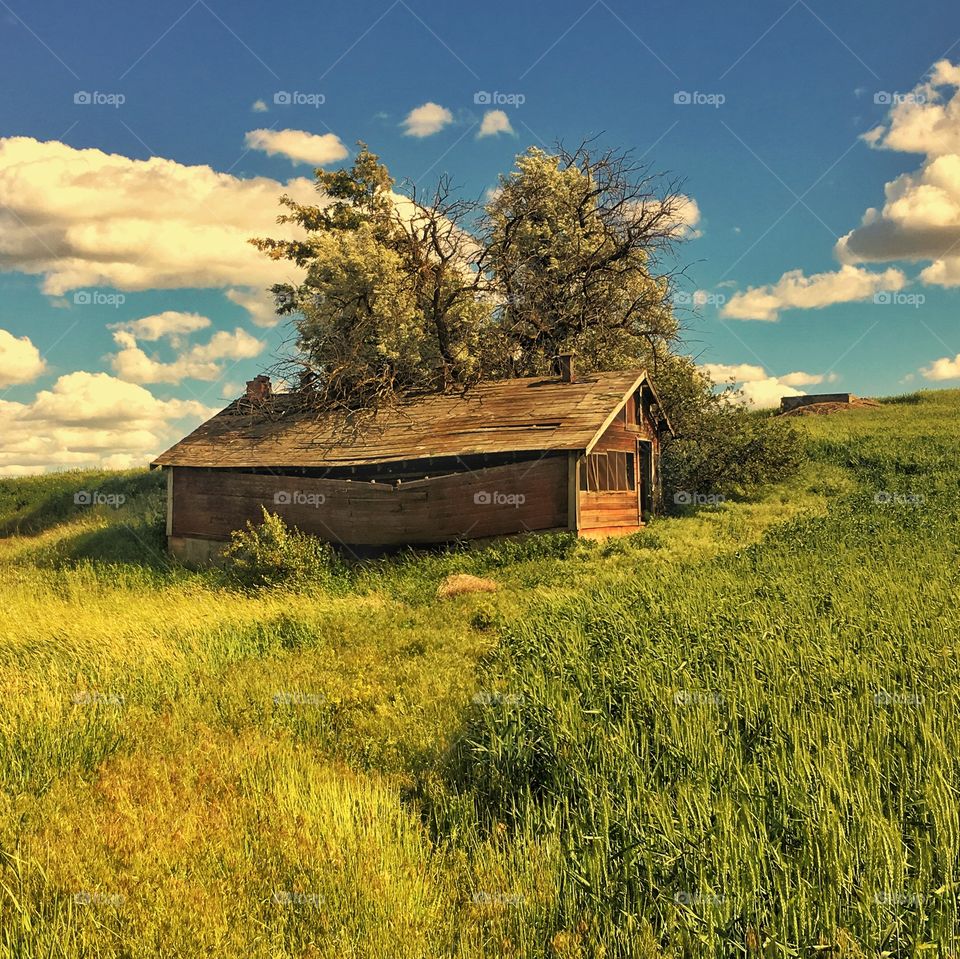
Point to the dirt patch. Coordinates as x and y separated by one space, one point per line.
822 409
459 583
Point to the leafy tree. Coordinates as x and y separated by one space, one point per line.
720 445
407 292
573 242
391 302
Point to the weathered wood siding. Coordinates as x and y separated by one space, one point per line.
532 495
618 511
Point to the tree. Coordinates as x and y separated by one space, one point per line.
392 300
573 243
410 291
720 445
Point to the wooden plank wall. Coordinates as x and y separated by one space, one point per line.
209 504
610 511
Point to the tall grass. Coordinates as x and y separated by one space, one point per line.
733 734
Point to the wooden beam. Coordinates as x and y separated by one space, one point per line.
574 465
169 470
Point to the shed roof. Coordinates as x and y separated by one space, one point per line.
537 413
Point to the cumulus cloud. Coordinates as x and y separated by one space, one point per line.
85 218
927 119
759 388
920 217
91 419
765 394
20 360
494 122
800 378
688 218
795 291
734 373
425 120
259 106
298 146
200 362
943 369
258 303
170 323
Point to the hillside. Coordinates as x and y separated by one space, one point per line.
733 733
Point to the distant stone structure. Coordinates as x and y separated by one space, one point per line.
788 403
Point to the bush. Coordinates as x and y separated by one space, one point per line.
274 554
720 445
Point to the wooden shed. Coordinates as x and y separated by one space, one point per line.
512 456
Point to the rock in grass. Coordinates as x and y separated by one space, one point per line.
458 583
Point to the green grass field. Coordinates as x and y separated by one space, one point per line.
736 733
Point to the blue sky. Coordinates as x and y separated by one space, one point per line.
775 150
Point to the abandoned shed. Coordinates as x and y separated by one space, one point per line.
504 457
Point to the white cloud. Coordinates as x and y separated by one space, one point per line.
298 145
920 216
800 378
765 394
259 106
200 362
84 218
759 388
425 120
734 373
943 369
91 419
20 360
927 119
795 291
494 122
258 303
688 217
170 323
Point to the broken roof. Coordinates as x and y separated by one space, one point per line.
537 413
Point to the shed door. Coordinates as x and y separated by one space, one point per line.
645 479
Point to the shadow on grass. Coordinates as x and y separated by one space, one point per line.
139 544
35 504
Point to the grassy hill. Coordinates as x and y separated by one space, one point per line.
735 733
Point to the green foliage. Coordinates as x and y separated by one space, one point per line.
731 734
720 446
571 244
272 554
755 746
391 303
